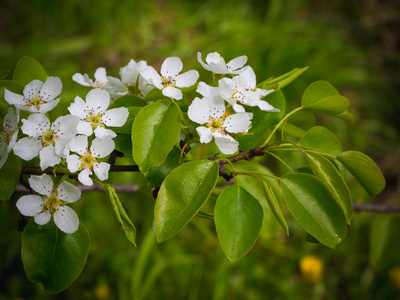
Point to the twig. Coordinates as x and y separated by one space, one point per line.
378 208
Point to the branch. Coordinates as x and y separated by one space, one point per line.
378 208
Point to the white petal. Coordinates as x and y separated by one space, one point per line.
13 98
201 110
30 205
265 106
172 92
226 89
51 89
78 108
115 117
102 133
44 108
101 75
48 157
262 93
250 77
67 125
41 184
43 217
79 144
84 128
239 122
218 68
205 134
79 78
68 192
237 62
35 125
202 62
27 148
215 57
238 108
101 170
171 67
73 163
102 147
84 178
187 79
225 143
115 85
151 75
206 90
66 219
11 120
13 140
97 101
32 88
129 73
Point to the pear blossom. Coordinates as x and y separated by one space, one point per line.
94 116
9 134
111 84
130 77
211 112
169 81
86 160
51 203
216 63
242 89
45 139
38 97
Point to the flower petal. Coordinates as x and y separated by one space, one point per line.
51 89
225 143
32 88
73 163
206 90
237 62
265 106
102 147
68 192
205 134
215 57
102 133
79 144
115 117
250 77
202 62
239 122
101 76
171 67
85 128
101 170
201 110
172 92
48 157
27 148
44 108
30 205
218 68
78 108
97 101
151 75
84 178
13 98
41 184
66 219
82 80
187 79
35 125
43 217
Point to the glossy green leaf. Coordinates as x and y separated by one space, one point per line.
327 172
121 215
346 116
384 242
155 130
323 97
123 143
9 176
128 101
181 196
365 170
314 207
157 174
321 139
4 74
238 219
127 127
29 69
262 121
54 258
12 86
293 130
283 80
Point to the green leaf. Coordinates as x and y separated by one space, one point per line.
4 74
12 86
321 139
365 170
123 143
157 174
294 130
155 131
262 121
29 69
121 215
314 207
127 101
346 116
327 172
9 176
181 196
127 127
54 258
323 97
384 241
283 80
238 218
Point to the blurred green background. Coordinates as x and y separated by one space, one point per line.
353 45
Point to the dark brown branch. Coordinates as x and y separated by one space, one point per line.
245 155
378 208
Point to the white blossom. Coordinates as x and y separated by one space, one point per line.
211 112
216 63
130 77
9 134
86 160
45 139
94 116
38 97
51 203
169 81
111 84
241 89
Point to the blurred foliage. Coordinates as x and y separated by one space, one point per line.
353 45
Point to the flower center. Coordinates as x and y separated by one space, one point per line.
35 100
6 135
167 81
52 202
95 120
216 124
99 84
87 161
49 138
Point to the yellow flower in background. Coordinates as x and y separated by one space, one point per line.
311 268
394 277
